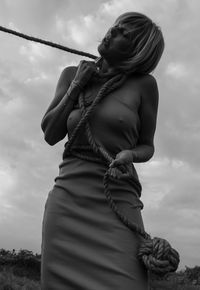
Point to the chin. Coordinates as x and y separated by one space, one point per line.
103 51
107 54
100 49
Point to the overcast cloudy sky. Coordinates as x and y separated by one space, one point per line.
28 76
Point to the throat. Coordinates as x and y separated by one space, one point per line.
107 68
91 91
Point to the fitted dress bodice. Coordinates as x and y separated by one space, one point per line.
114 125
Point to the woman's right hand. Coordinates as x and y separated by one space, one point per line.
84 72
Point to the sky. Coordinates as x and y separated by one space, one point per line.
28 76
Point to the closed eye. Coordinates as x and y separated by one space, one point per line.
125 33
120 29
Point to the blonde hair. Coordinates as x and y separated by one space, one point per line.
147 40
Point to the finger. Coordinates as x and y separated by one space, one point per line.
117 162
87 63
90 62
118 176
117 173
114 172
92 68
110 171
82 62
126 175
89 70
111 163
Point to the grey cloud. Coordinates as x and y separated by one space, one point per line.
184 196
40 16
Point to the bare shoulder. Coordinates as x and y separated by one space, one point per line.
143 90
68 73
148 82
149 88
143 82
65 79
64 82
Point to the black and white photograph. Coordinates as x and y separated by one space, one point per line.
99 145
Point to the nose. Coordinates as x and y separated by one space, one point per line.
113 30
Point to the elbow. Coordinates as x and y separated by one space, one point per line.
52 138
147 152
49 140
52 133
151 150
47 133
47 137
43 125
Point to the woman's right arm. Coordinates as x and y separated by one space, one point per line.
54 122
72 80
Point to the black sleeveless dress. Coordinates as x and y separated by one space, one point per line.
84 244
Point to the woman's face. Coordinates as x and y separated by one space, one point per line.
116 45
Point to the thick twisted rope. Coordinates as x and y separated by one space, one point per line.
48 43
156 254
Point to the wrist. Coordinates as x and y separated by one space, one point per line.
74 90
134 155
77 84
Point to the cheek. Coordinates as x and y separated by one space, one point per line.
123 48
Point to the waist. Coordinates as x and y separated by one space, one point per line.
83 151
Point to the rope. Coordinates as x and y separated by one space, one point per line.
157 254
48 43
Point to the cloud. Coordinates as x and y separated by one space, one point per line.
13 27
7 180
35 52
39 15
177 70
80 32
114 8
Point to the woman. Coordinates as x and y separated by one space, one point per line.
84 244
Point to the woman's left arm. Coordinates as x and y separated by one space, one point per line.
148 116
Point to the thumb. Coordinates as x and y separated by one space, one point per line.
115 162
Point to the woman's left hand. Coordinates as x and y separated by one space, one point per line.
123 158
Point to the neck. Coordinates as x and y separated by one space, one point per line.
106 69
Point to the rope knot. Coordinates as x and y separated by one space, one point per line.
158 256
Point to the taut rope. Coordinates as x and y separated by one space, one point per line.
156 254
49 43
